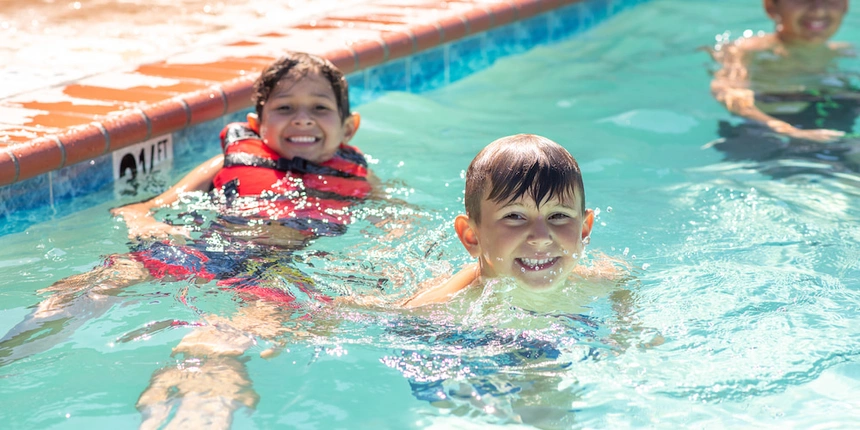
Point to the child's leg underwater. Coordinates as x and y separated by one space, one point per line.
75 300
212 380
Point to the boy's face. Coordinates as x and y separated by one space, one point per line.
301 119
538 247
807 21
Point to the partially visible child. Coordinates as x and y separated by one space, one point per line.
784 80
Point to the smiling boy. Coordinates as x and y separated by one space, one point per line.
525 218
297 141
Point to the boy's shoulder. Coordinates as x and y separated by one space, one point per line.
441 290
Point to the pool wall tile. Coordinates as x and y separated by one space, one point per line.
126 129
206 105
39 155
564 22
502 13
369 52
27 194
478 20
238 93
82 179
391 76
429 69
60 146
12 170
426 36
468 56
452 28
84 143
344 59
400 44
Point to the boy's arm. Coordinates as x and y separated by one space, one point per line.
730 87
438 292
138 216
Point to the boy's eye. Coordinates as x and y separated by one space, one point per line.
321 107
514 217
560 217
284 108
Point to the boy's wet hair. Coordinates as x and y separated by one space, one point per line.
296 65
519 165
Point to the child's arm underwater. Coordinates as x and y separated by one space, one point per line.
138 216
730 87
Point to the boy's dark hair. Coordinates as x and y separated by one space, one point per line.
297 65
522 164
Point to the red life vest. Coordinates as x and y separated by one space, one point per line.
294 192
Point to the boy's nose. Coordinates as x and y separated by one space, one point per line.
302 119
540 235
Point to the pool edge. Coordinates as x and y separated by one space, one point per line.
31 165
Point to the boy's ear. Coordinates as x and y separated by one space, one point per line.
587 223
253 122
350 126
770 8
468 236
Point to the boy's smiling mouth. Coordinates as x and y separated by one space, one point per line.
537 264
303 140
816 24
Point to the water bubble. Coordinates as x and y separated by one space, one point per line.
609 209
645 266
626 251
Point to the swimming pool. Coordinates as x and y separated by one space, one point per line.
752 281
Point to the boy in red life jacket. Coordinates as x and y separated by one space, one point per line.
296 157
291 175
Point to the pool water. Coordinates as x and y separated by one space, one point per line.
750 278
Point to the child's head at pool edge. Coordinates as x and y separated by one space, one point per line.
525 211
806 22
302 102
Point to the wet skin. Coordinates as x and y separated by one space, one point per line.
538 246
806 22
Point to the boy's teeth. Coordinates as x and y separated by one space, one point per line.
535 263
302 139
817 24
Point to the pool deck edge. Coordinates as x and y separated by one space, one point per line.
59 134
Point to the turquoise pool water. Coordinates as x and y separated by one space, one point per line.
751 279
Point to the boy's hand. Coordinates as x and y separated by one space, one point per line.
822 135
142 225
